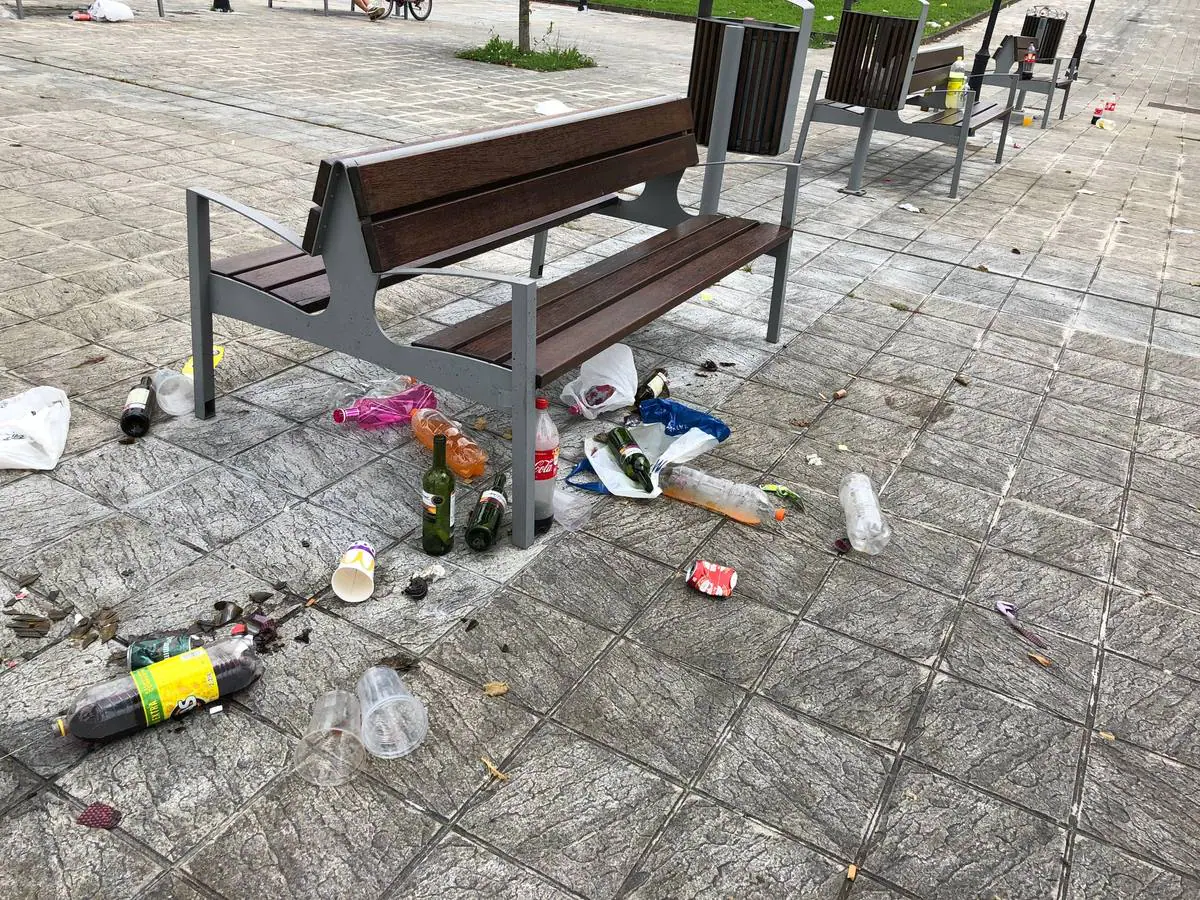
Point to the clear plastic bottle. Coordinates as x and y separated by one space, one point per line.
465 458
744 502
956 84
545 467
162 691
371 413
865 525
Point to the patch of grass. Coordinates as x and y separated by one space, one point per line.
541 58
942 15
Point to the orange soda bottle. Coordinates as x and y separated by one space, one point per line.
465 458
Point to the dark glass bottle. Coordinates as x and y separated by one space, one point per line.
484 523
437 501
654 386
139 407
632 460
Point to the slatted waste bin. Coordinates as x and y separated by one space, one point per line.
1045 25
764 107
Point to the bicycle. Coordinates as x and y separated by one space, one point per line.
420 9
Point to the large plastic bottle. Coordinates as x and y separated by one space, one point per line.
465 458
545 467
744 502
371 413
956 84
162 691
865 525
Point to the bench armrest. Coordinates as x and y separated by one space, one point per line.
791 183
522 280
252 214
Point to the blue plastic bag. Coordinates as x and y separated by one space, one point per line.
677 418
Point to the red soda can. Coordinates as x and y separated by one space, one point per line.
712 579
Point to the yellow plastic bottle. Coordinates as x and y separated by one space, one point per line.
956 84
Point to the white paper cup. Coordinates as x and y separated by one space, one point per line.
354 580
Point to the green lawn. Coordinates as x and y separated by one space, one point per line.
943 14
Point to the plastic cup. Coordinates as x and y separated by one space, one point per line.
394 722
175 392
331 750
354 579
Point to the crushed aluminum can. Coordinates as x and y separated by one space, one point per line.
712 579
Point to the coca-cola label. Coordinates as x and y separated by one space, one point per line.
545 464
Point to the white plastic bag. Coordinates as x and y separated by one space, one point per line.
606 381
660 448
110 11
33 428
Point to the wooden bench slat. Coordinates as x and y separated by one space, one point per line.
427 231
463 333
471 162
269 277
980 116
583 340
595 296
255 259
310 295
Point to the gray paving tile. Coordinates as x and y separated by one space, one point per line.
661 529
999 745
1164 571
965 463
888 402
963 510
921 845
121 474
1098 870
1148 707
1095 394
862 433
1162 477
795 775
384 493
1162 521
39 511
585 830
988 396
459 869
732 639
1155 632
1074 495
859 688
918 553
83 369
33 341
974 426
303 460
237 426
1142 802
706 850
1000 367
538 651
1052 538
1045 596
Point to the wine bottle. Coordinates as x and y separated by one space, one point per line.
484 524
437 501
139 407
632 460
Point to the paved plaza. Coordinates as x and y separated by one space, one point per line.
1022 369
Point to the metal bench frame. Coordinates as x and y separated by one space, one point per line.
870 119
1007 60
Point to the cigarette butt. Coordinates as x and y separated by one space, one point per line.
851 872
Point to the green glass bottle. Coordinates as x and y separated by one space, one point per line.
630 457
437 501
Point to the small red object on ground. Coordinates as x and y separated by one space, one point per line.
712 579
100 815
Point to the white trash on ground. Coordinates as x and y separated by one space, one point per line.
606 381
110 11
33 428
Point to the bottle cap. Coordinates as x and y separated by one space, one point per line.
346 414
541 403
779 514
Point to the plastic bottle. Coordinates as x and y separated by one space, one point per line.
465 458
956 84
545 467
162 691
865 525
371 413
743 502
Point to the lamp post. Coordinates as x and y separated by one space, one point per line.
984 53
1073 66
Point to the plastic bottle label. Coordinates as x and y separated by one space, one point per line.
545 464
137 399
176 686
496 497
431 502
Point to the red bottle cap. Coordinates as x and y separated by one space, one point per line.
541 403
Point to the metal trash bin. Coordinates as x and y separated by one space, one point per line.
764 108
1045 25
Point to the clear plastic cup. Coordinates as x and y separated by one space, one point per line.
331 749
175 392
394 722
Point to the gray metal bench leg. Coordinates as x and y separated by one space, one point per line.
524 417
199 269
808 114
537 260
778 291
964 132
1062 109
161 14
1004 127
861 149
1050 93
20 10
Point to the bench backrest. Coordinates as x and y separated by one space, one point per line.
419 200
872 59
1011 51
932 67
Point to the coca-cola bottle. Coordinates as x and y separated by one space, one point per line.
545 468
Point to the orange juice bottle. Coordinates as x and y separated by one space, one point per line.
464 457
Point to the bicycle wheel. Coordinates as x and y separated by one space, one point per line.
420 9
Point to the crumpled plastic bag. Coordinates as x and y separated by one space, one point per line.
33 428
677 418
110 11
606 381
660 448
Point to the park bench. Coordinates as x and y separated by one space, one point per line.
878 69
381 217
1007 61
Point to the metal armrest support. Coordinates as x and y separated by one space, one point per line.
252 214
788 216
478 275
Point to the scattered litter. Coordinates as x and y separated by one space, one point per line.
504 648
711 578
99 815
226 612
27 625
903 307
745 503
431 573
34 424
1041 659
706 295
306 543
799 423
330 750
551 108
127 440
1106 735
780 490
708 366
1085 192
866 527
416 588
472 624
21 595
148 650
822 397
29 580
606 381
1009 611
964 380
814 460
110 11
260 597
90 361
1016 250
496 688
839 394
100 625
828 18
842 448
492 770
851 872
354 578
374 412
401 662
280 586
1183 231
842 546
304 636
982 268
910 207
213 710
480 423
394 720
1121 220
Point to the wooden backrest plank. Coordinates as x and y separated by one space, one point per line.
426 230
870 60
937 58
